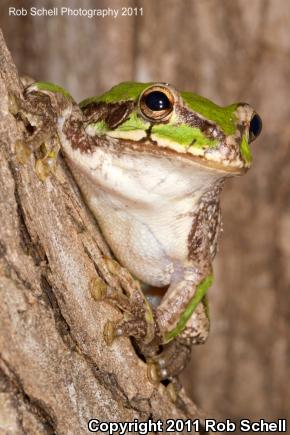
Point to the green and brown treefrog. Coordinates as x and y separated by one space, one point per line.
150 162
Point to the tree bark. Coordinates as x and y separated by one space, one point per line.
56 372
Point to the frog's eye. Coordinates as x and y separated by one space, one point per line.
255 127
156 103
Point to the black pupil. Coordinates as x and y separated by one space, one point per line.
157 100
256 125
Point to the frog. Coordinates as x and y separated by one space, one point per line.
151 162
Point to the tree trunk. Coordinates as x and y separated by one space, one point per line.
56 370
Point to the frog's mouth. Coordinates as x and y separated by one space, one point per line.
211 159
228 169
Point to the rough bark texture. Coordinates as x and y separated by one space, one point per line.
228 51
56 370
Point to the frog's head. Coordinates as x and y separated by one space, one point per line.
156 118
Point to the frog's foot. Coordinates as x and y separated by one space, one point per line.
47 165
169 363
41 135
138 318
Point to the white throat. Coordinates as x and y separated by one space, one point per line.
144 205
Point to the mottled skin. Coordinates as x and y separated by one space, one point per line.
152 177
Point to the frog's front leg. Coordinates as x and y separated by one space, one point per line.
180 307
182 320
39 110
179 321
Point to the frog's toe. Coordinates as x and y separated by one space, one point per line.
155 372
173 389
169 363
42 169
46 166
22 151
111 331
98 288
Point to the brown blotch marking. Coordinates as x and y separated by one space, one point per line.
94 112
203 236
193 120
74 131
113 114
118 115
